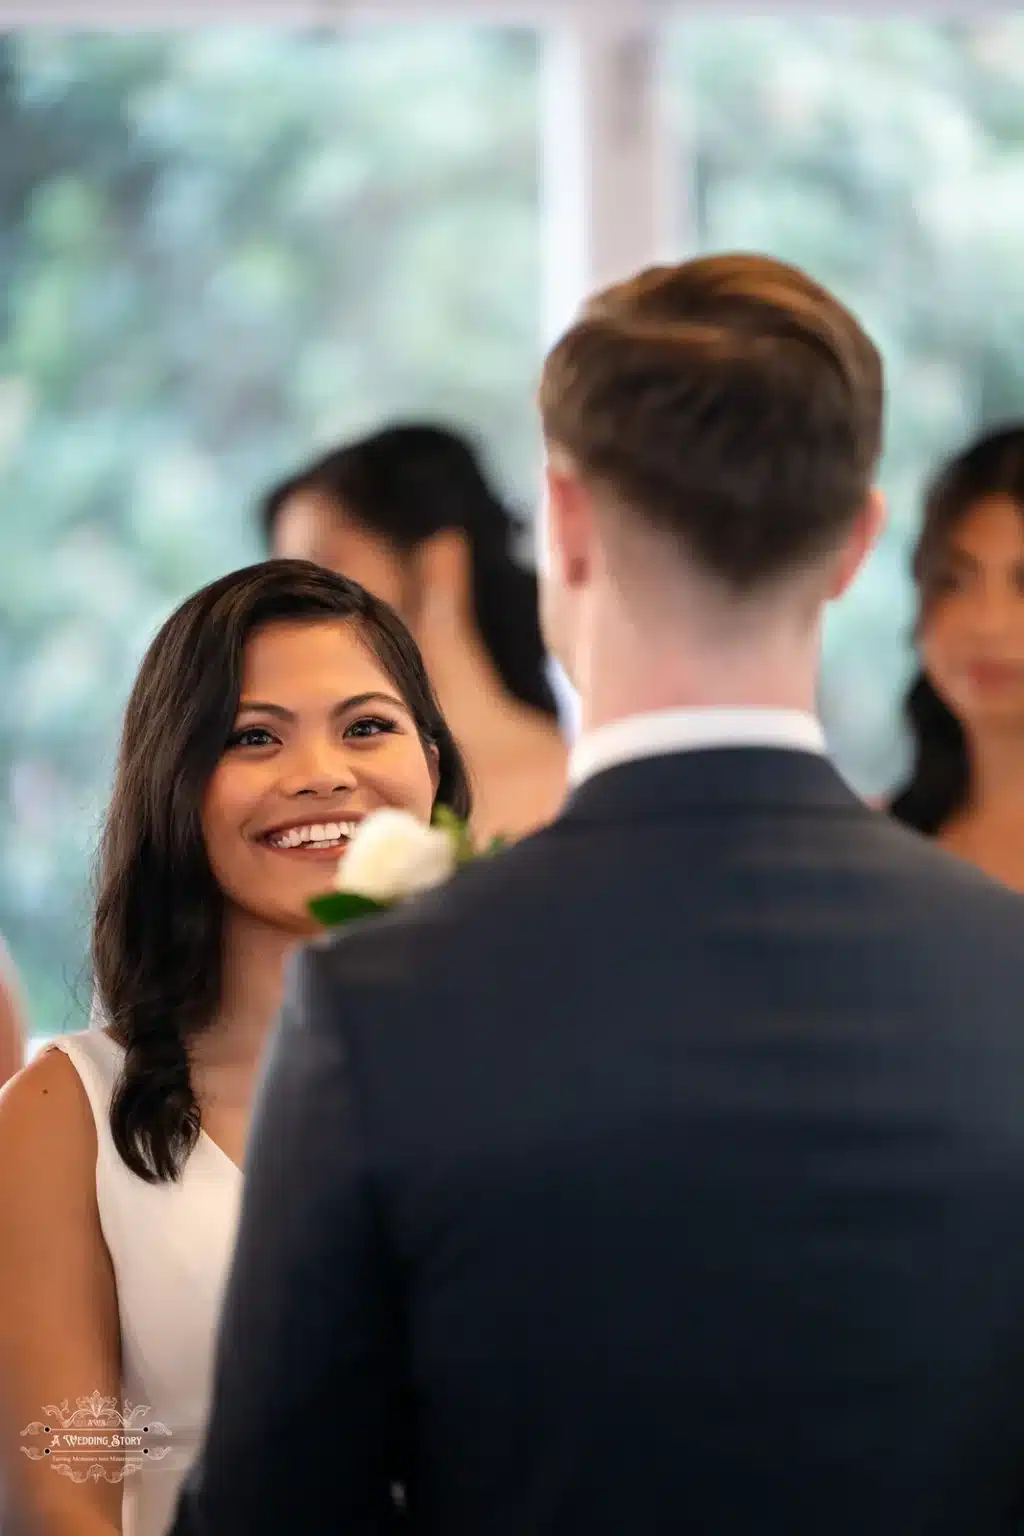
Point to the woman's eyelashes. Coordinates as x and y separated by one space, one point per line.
363 729
368 726
252 736
948 580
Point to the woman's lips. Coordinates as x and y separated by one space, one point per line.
995 674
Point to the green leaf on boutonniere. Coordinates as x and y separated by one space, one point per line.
496 845
339 907
458 830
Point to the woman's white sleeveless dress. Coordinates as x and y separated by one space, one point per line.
171 1247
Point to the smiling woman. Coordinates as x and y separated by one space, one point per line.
274 710
280 697
317 744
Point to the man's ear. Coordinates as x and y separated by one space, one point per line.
860 541
570 522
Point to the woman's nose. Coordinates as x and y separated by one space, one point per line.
319 770
996 608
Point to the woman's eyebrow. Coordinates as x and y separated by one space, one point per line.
357 701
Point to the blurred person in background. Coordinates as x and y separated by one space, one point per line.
966 706
409 513
273 710
12 1022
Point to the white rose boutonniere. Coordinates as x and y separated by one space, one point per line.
393 856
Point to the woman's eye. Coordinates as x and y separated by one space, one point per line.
252 736
370 725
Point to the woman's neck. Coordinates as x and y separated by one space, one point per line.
252 988
483 716
997 774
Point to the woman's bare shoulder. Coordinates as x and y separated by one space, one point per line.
44 1112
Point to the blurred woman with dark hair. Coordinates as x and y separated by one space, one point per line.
273 711
408 512
966 706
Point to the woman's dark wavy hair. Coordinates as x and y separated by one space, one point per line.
157 935
409 482
940 779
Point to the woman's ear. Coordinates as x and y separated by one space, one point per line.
434 765
443 578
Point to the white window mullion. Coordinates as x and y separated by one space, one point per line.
607 208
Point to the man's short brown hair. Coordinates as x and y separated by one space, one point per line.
731 401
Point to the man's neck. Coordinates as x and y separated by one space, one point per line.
664 680
674 646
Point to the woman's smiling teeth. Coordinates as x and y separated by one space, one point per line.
325 835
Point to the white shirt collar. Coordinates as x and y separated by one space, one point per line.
688 730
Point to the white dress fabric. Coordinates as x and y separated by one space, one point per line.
171 1247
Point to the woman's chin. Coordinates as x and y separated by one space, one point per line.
277 921
993 714
298 926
